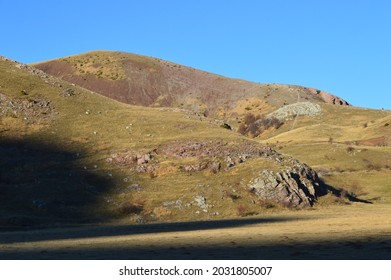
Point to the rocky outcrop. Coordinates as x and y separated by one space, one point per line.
327 97
33 110
288 188
294 184
297 109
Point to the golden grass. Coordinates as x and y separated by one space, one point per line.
342 232
341 124
96 127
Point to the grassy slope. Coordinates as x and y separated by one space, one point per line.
65 157
349 147
330 230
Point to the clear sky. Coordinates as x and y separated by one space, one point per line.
340 46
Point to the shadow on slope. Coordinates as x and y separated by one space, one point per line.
341 193
43 185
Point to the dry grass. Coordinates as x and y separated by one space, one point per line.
341 124
336 232
88 128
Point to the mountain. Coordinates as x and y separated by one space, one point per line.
80 173
71 156
305 116
148 81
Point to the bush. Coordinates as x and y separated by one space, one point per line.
371 166
267 204
255 125
253 129
226 126
241 210
250 118
131 208
350 149
231 195
242 129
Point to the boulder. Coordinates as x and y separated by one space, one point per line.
296 187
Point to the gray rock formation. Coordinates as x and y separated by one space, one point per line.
297 109
294 184
298 186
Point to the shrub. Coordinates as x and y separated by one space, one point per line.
371 166
253 129
241 210
242 129
131 208
231 195
267 204
256 125
249 119
350 149
226 126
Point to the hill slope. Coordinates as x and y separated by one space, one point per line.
147 81
150 81
68 155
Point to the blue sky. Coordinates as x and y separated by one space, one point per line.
340 46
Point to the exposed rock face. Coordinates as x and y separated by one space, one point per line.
332 99
238 152
287 188
297 109
297 186
294 184
36 110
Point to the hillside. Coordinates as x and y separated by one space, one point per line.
148 81
83 176
307 119
70 156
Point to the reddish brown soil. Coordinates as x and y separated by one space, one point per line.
155 82
378 141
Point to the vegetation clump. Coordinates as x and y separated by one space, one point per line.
131 208
253 125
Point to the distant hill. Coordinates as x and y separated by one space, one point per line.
148 81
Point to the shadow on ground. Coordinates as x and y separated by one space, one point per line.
44 185
121 230
341 193
365 249
26 245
